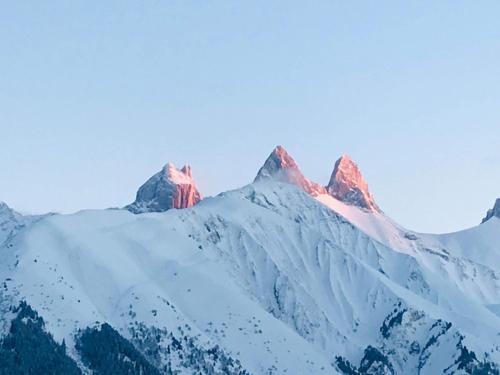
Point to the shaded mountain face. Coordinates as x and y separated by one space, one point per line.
280 166
494 212
169 188
348 185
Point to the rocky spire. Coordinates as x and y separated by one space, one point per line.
280 166
169 188
348 185
494 212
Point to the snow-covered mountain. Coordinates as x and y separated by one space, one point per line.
169 188
274 278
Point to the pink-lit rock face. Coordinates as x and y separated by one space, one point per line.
169 188
348 185
280 166
494 212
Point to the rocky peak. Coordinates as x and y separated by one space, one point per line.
494 212
348 185
187 171
277 161
280 166
169 188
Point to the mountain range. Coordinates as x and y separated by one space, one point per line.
282 276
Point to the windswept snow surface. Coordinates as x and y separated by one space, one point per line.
281 281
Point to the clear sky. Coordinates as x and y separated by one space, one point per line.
96 96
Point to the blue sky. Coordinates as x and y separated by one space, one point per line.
96 96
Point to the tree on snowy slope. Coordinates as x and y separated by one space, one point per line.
28 349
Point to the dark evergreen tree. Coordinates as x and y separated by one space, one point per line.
28 349
106 352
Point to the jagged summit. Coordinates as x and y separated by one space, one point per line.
7 213
9 221
12 221
278 160
4 206
348 185
493 212
169 188
282 167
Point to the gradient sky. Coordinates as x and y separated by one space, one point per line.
96 96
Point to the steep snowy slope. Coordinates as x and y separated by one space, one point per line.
267 275
480 244
374 223
471 258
